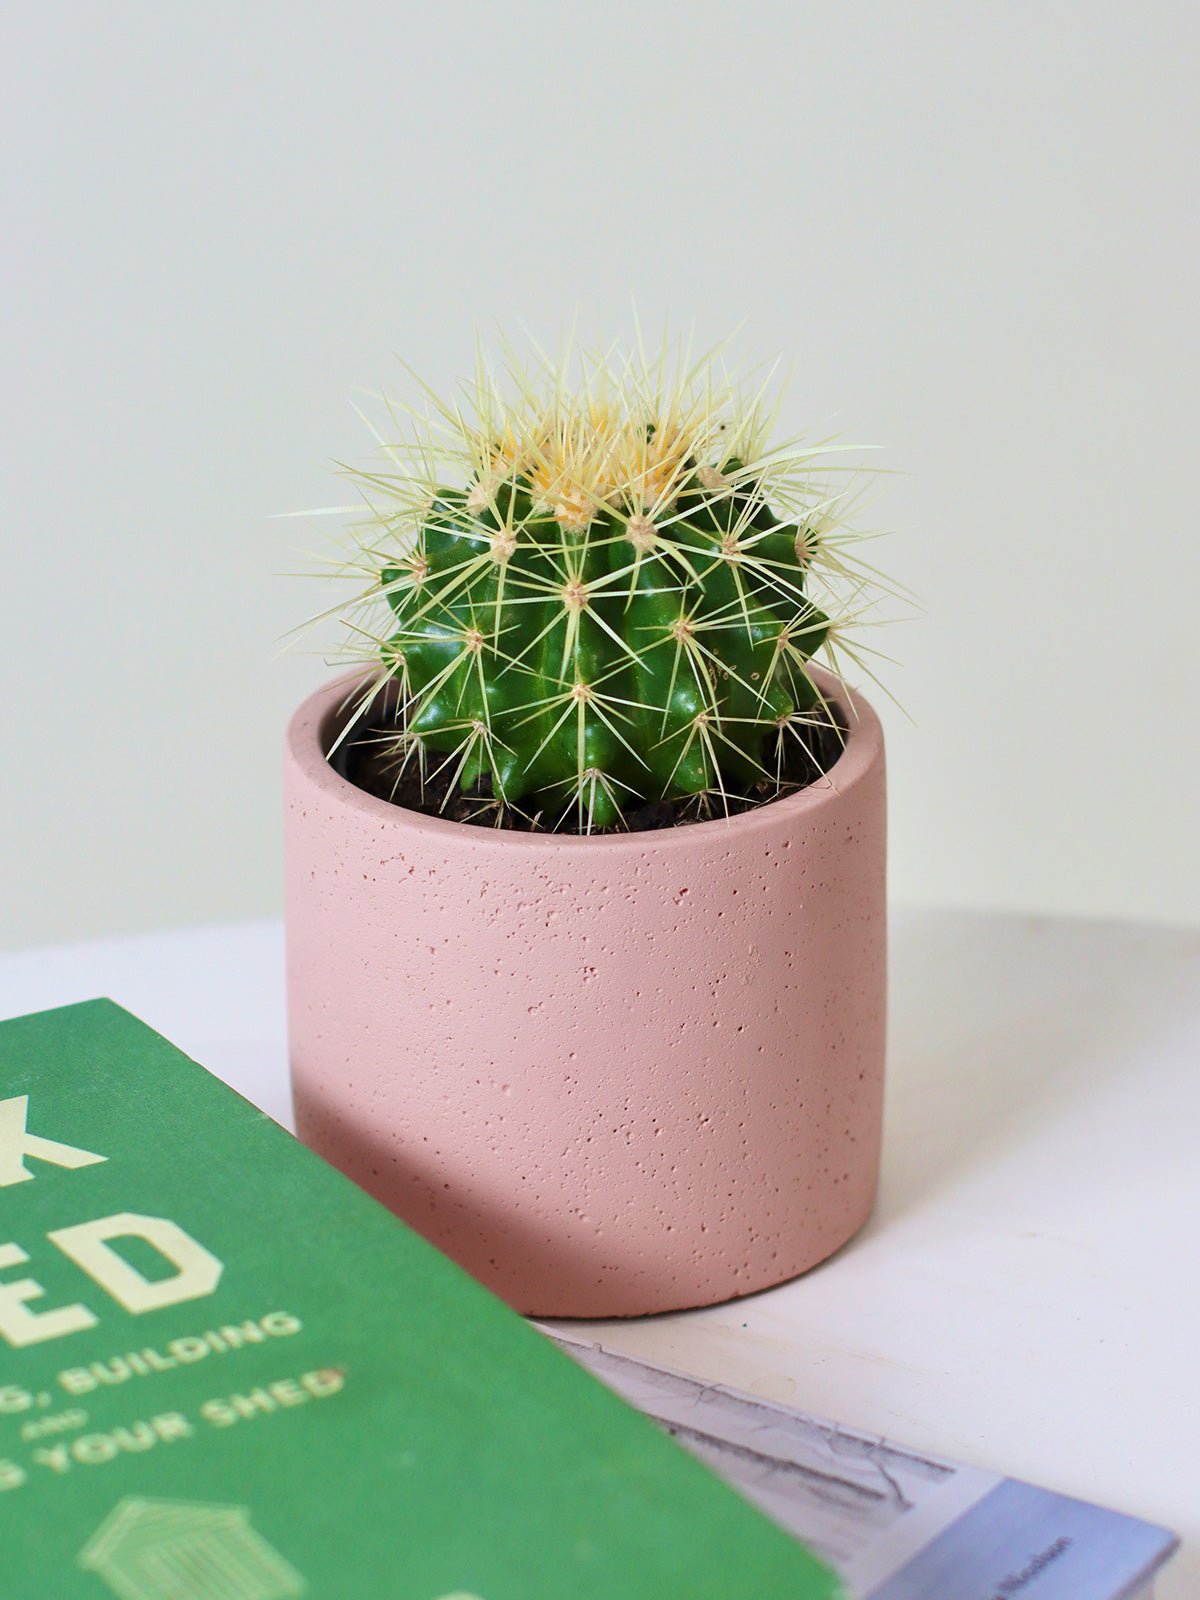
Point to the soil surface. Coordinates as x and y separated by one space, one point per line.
368 761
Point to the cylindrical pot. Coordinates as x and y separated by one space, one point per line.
608 1075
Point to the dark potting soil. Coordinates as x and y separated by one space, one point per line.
367 760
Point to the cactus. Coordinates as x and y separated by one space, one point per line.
600 598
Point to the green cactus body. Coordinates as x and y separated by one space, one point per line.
618 602
636 656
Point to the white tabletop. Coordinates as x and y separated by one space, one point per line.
1027 1294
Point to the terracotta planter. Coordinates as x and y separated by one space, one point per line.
613 1075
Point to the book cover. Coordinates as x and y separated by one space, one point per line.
227 1374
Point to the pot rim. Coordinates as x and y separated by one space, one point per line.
309 735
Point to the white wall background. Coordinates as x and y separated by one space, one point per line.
972 227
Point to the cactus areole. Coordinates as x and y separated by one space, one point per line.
586 601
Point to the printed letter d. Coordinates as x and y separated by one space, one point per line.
197 1272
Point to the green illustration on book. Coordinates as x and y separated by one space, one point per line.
181 1550
227 1374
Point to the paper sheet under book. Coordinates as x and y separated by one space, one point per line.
897 1524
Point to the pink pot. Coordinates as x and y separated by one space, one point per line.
608 1075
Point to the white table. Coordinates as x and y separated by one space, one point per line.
1027 1295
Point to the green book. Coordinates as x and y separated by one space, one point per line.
228 1374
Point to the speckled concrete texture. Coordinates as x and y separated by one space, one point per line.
609 1076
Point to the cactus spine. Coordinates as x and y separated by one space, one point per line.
614 601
